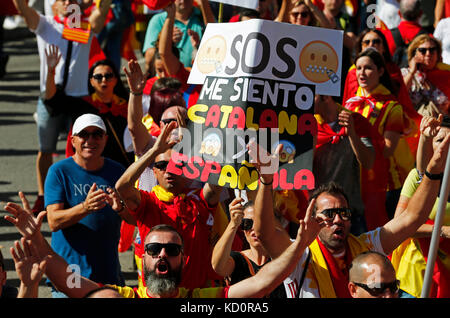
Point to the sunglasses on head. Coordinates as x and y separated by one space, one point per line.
161 165
374 41
154 249
344 213
246 224
303 14
96 134
423 50
381 288
99 77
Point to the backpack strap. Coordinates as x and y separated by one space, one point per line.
302 279
397 37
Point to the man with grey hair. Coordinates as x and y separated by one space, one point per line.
409 27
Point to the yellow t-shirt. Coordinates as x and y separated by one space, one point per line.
141 292
410 186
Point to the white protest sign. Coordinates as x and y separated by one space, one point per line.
251 4
271 50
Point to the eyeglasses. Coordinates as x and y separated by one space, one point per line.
99 77
423 50
344 213
374 42
168 120
381 289
246 224
161 165
302 14
96 134
154 249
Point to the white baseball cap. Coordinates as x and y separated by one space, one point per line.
87 120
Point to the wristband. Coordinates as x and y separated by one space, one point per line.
136 94
270 183
434 176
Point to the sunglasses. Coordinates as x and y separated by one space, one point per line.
374 41
154 249
161 165
246 224
344 213
423 50
99 77
378 291
303 14
96 134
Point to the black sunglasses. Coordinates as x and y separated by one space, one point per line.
161 165
303 14
99 77
423 50
374 41
246 224
154 249
96 134
381 289
344 213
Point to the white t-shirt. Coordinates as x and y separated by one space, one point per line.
387 11
49 32
442 33
372 239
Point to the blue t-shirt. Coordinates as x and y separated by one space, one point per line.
184 45
92 243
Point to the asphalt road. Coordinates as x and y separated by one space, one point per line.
19 90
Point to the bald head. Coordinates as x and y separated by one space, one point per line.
411 10
369 266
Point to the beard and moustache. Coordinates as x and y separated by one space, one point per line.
162 284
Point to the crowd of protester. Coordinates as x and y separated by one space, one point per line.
378 162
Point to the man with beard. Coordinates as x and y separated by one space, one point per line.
323 268
174 202
163 262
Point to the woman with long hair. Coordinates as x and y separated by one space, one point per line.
375 101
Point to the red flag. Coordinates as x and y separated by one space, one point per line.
157 4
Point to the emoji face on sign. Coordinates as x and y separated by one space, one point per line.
211 55
317 61
211 145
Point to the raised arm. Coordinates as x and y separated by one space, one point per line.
139 134
125 186
419 206
207 14
273 273
56 268
221 260
29 14
171 63
274 239
98 16
53 57
429 128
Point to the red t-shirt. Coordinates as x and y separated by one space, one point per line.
192 217
407 29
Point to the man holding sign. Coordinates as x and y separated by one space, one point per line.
172 202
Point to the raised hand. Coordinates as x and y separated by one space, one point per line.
29 266
265 163
24 219
135 77
429 126
310 226
345 119
438 161
236 211
53 57
164 142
